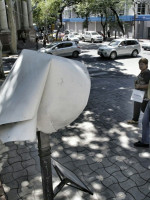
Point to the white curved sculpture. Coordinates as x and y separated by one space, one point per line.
42 92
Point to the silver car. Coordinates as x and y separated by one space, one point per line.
120 47
66 48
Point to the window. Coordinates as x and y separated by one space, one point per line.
123 43
141 9
60 46
121 12
94 33
67 45
131 42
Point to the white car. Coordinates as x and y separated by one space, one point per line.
120 47
70 37
66 48
92 36
146 45
77 35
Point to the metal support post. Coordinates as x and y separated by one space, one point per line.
66 176
45 161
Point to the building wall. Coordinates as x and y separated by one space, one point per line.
23 19
79 27
141 27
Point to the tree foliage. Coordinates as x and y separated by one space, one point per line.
50 9
84 10
108 10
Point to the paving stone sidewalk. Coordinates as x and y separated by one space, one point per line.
97 147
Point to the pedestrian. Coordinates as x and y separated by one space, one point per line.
23 37
108 33
141 83
36 42
145 141
44 41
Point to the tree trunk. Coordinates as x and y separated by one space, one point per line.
12 26
118 20
60 26
2 75
103 24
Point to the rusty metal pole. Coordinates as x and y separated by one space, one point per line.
45 161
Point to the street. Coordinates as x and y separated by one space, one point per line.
125 65
97 146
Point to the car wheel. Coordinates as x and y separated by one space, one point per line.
134 53
113 55
75 54
92 40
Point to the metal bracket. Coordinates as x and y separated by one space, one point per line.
66 176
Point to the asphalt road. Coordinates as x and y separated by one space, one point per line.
96 64
124 65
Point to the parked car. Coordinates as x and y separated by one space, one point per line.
70 37
77 35
120 47
146 45
67 31
92 36
66 48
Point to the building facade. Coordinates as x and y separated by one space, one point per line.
136 20
22 11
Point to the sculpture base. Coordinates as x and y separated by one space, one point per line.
66 176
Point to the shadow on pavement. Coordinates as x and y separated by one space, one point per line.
97 147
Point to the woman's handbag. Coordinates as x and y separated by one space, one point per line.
148 91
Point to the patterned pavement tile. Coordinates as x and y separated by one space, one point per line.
136 193
112 169
145 188
137 179
126 185
103 157
129 171
109 181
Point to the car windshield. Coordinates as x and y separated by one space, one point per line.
114 43
51 45
94 33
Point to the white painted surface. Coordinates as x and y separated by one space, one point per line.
42 92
